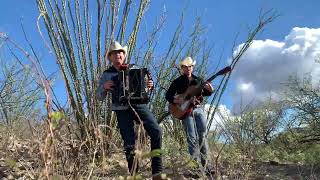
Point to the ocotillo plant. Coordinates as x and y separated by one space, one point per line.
79 46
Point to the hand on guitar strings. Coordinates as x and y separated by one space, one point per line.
178 100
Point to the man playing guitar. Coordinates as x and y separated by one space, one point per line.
195 122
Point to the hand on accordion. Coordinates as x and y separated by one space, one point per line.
150 84
108 85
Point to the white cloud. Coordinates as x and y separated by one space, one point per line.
268 64
221 115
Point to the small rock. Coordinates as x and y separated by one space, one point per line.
10 177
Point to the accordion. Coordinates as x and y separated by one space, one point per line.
131 85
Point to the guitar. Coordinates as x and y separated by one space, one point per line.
190 97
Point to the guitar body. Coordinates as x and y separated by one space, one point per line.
179 113
185 109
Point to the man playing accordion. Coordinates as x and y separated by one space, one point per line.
125 114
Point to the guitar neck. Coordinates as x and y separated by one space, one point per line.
221 72
195 90
212 78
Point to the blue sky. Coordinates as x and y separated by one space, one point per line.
223 19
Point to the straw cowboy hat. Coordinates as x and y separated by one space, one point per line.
187 62
116 46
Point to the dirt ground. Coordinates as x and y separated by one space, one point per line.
116 168
287 171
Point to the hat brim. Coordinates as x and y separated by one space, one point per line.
124 49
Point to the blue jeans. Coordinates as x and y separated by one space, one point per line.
195 128
126 125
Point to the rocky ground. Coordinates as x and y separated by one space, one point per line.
116 169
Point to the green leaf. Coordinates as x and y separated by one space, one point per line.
153 153
11 162
192 164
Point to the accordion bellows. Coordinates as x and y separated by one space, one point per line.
131 86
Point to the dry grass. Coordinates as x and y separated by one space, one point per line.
21 152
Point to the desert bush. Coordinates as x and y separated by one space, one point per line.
19 93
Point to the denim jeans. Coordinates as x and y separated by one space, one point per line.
126 125
195 128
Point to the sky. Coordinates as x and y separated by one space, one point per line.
287 46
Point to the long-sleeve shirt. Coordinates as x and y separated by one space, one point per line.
181 84
101 93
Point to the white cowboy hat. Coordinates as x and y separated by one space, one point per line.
116 46
187 62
